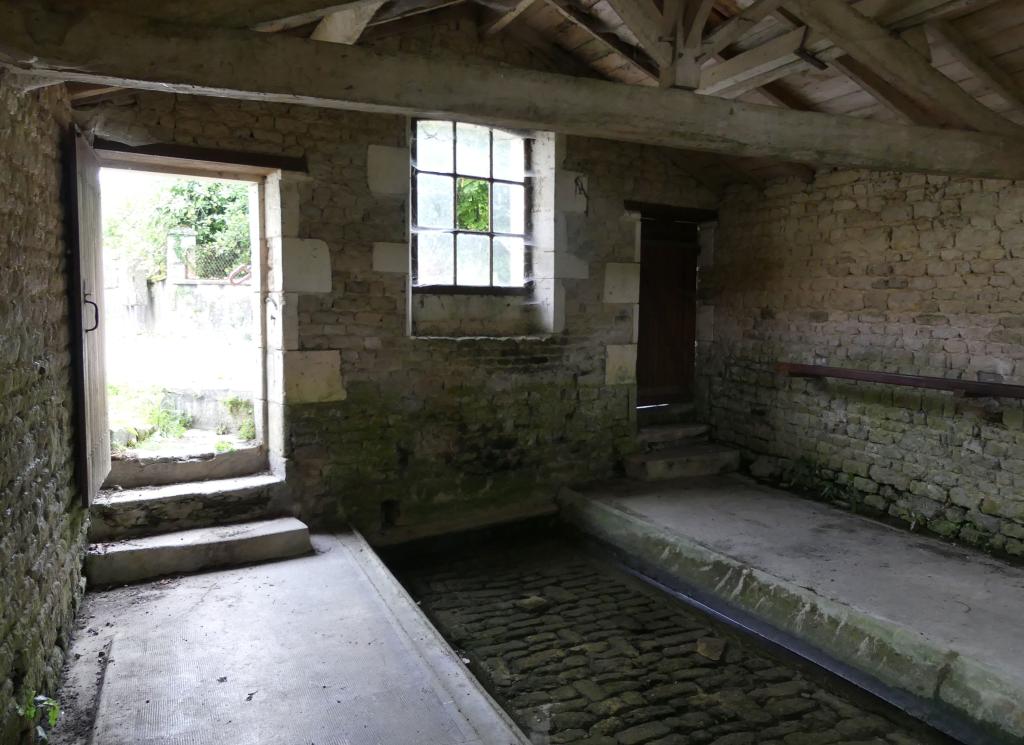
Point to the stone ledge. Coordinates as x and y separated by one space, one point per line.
983 694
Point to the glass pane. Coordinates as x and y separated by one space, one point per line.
474 259
509 156
509 208
509 262
434 201
434 146
473 150
435 260
472 206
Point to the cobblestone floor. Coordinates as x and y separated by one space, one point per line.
579 652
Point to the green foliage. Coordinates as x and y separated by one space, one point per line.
248 429
237 406
169 422
218 212
136 228
472 205
223 446
41 712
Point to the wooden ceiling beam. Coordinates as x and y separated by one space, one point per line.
503 20
347 25
977 62
905 110
895 62
736 27
636 58
686 68
644 22
111 49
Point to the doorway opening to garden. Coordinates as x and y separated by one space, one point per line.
181 306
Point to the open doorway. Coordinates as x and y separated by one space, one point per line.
183 360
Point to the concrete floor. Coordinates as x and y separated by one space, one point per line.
941 621
326 649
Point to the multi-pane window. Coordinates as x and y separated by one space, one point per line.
470 194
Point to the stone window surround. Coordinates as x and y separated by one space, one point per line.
527 183
556 194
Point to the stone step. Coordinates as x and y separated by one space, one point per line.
137 559
647 416
667 434
133 472
128 513
701 459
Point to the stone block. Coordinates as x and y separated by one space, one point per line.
387 170
620 364
391 257
705 323
308 377
622 283
282 310
570 266
300 265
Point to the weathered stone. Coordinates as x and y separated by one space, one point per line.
711 647
42 523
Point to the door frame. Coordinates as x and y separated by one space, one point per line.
660 213
183 161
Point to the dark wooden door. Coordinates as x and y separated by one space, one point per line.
668 312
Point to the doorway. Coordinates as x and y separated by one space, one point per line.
666 342
168 279
182 342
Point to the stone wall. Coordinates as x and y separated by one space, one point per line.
878 271
442 432
41 524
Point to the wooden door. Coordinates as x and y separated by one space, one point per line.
85 271
668 312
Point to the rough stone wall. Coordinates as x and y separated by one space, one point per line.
41 525
878 271
454 430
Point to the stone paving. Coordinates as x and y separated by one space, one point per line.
580 652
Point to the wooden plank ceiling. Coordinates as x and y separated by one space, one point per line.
946 63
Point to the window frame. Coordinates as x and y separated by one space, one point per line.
527 184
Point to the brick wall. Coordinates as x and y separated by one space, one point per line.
41 525
455 430
878 271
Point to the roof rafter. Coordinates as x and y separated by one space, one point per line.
977 62
644 21
895 62
636 58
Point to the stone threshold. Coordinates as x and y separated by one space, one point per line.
129 473
937 624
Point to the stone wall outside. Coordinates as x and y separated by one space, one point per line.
452 429
42 533
879 271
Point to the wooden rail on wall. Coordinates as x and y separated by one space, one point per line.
968 388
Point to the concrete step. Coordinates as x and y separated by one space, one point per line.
127 513
660 435
647 416
701 459
138 559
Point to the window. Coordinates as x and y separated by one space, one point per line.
470 198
